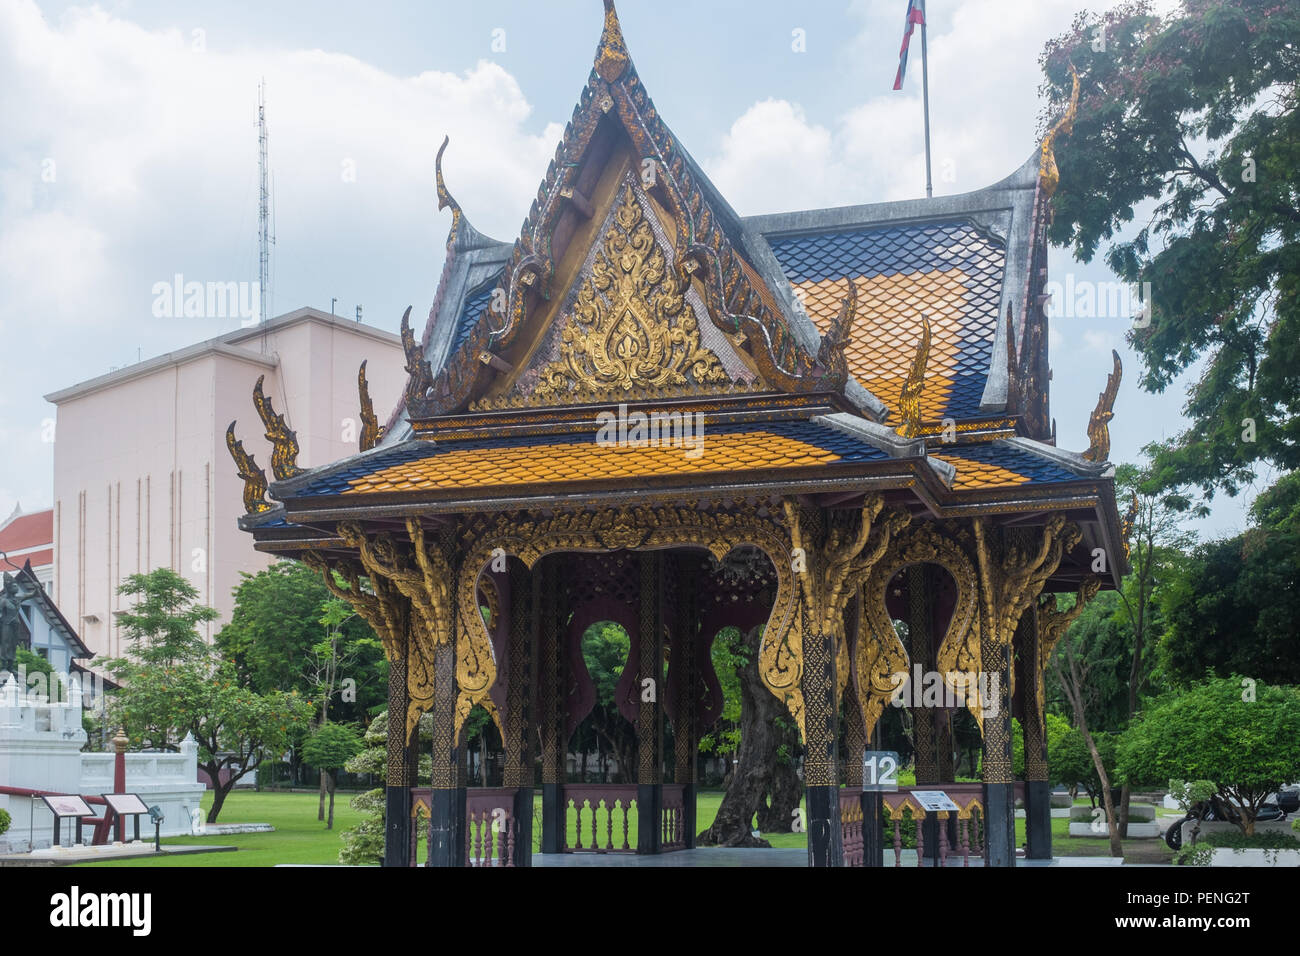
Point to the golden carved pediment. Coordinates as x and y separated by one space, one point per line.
631 331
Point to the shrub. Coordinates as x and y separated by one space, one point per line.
5 820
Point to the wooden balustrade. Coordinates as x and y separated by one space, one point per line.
673 815
851 833
901 807
587 807
490 826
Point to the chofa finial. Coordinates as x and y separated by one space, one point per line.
1048 175
611 56
445 198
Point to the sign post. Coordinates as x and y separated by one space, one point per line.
879 776
67 805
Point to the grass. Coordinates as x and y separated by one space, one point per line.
300 838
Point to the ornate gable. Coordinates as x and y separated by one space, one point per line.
563 324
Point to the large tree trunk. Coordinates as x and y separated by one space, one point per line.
333 784
320 810
752 776
776 814
219 790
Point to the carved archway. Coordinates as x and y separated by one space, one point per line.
881 654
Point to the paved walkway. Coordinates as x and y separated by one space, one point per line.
64 855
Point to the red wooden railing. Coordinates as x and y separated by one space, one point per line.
491 830
673 816
901 806
592 805
103 825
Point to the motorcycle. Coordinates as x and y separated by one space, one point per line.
1216 809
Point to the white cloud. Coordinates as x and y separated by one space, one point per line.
128 156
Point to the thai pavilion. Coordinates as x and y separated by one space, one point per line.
649 410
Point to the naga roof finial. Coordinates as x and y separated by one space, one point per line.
830 353
371 430
445 198
1048 175
1099 420
909 400
283 439
254 477
611 55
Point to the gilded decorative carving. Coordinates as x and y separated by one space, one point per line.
445 198
733 292
1049 177
418 375
1099 420
611 55
881 653
371 430
909 399
529 537
831 570
284 442
830 353
254 477
423 575
1053 622
631 329
1126 525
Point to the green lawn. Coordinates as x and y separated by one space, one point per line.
300 838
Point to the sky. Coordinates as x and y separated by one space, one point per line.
129 156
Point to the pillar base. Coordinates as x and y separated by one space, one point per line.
822 813
688 815
397 826
873 829
523 814
649 817
999 824
447 827
552 818
1038 820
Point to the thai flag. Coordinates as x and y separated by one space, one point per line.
915 15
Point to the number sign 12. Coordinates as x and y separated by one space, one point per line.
880 770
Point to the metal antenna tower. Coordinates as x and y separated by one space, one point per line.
264 237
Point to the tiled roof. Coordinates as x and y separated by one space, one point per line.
991 466
471 311
558 459
27 531
950 271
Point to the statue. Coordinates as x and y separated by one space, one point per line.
14 632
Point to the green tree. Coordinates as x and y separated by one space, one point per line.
328 749
1243 736
1232 606
1192 123
162 626
235 727
363 844
277 640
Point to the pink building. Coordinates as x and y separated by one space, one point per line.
142 477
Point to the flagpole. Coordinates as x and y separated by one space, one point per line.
925 99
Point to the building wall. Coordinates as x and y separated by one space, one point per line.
142 476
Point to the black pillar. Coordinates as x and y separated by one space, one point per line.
650 680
